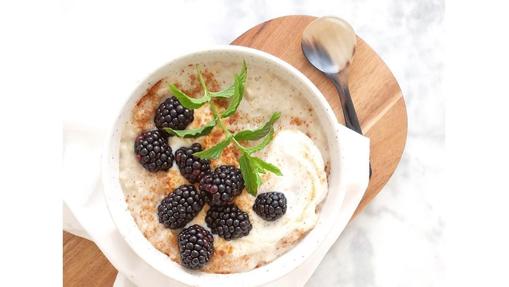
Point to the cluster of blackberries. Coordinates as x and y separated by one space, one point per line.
218 188
151 147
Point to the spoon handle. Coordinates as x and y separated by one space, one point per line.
340 80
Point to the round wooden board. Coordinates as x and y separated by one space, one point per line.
375 92
377 98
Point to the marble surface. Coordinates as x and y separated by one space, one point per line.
395 241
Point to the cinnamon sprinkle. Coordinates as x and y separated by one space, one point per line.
230 155
211 81
193 88
223 103
213 138
234 118
146 106
296 121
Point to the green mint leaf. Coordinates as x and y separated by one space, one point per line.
215 151
268 138
226 93
260 132
238 92
229 92
243 72
267 166
202 82
251 167
187 101
250 175
235 100
193 133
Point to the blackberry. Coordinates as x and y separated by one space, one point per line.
270 205
180 207
228 221
152 151
190 166
222 185
196 246
171 114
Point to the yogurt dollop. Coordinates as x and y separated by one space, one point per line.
304 183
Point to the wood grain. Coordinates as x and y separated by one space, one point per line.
377 99
84 264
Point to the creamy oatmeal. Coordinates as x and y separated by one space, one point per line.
299 149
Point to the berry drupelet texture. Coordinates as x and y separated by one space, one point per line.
171 114
196 246
191 167
153 152
270 205
222 185
180 207
228 221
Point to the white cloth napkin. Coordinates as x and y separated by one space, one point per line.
86 213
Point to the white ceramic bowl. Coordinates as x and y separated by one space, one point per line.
269 272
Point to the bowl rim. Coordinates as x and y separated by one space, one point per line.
130 232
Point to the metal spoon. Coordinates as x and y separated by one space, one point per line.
329 43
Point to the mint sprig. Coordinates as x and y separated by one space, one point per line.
236 90
250 166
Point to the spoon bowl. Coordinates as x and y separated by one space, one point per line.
329 43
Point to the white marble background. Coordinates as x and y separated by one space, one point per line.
395 242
